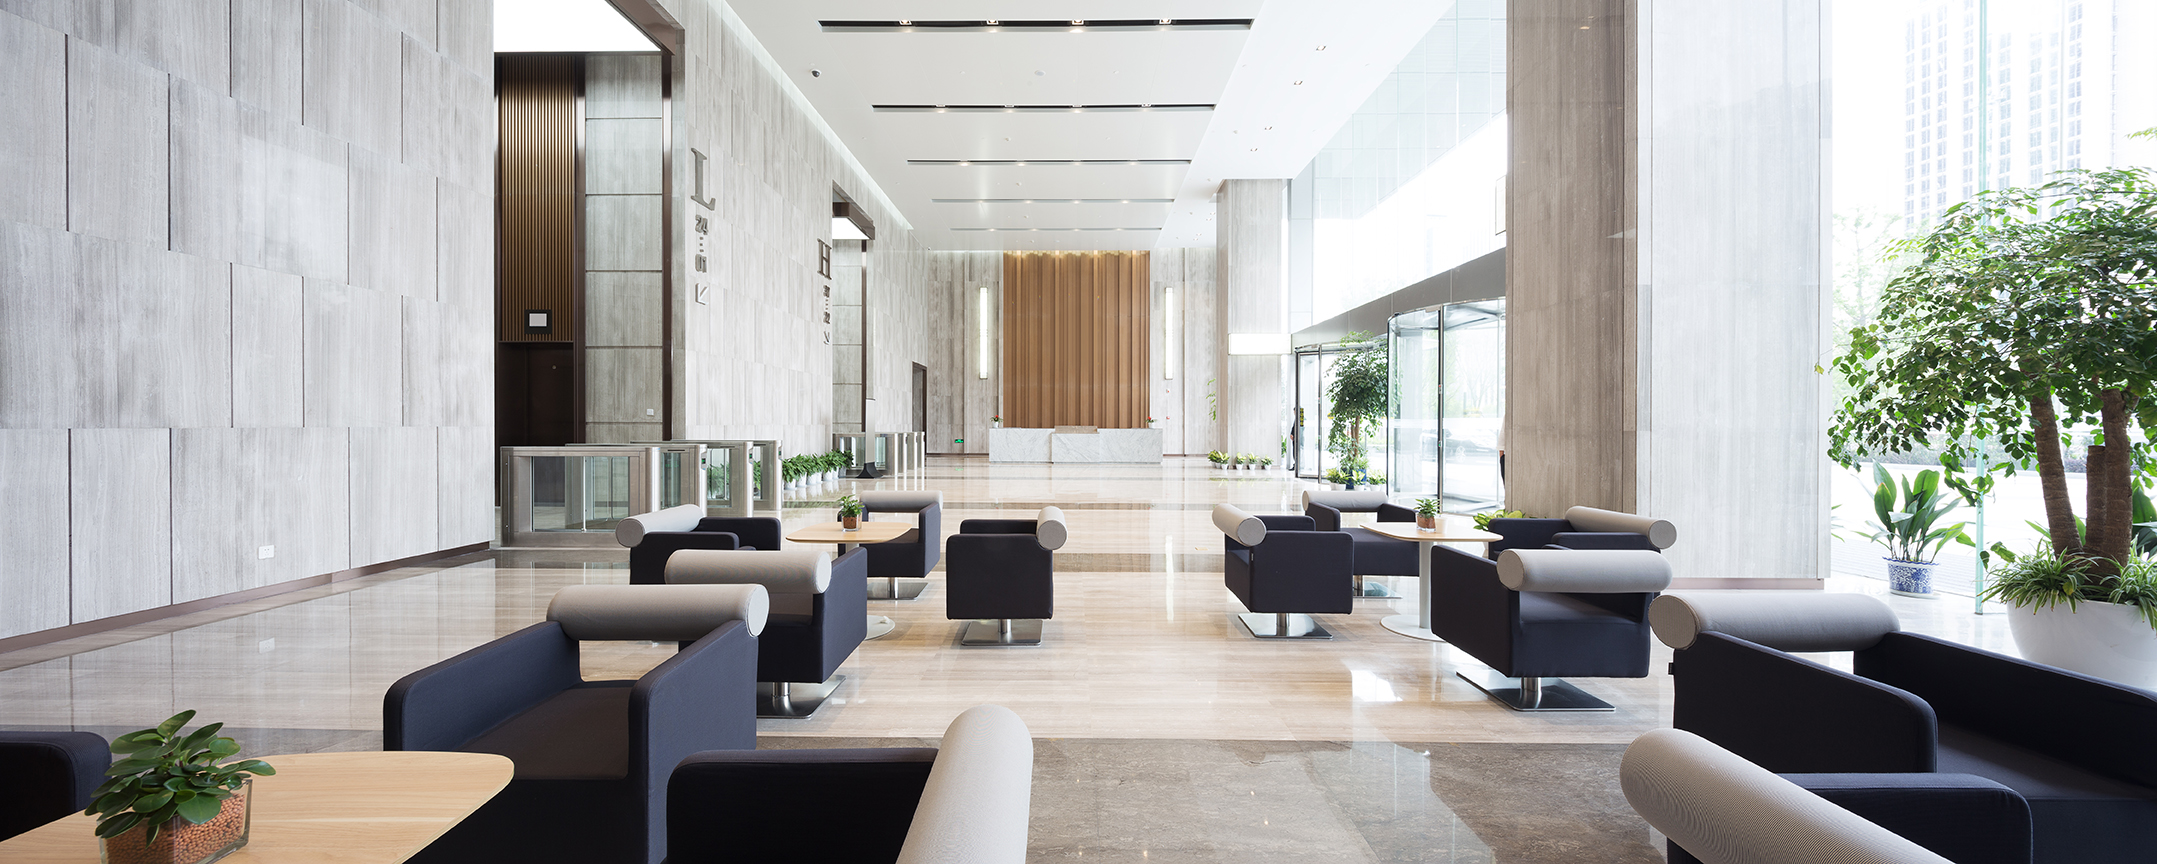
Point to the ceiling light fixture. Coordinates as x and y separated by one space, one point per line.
911 25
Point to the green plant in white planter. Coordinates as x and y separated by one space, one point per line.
2071 614
1909 527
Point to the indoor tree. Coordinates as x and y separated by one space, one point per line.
1356 390
2026 311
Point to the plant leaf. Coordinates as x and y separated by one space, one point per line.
201 808
172 724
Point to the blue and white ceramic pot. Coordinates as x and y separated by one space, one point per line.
1910 578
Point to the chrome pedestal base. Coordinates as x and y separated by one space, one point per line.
1534 694
793 701
1282 625
1410 626
1004 633
893 589
1366 587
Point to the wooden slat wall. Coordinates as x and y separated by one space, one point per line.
1075 339
538 186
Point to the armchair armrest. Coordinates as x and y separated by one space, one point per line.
1963 685
1395 513
50 775
1314 552
1962 817
756 805
997 526
1789 714
1323 517
1470 608
760 532
1624 540
1524 533
648 560
702 698
446 705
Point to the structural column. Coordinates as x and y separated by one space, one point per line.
1251 247
1667 205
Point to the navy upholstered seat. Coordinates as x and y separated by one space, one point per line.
49 775
652 538
1292 571
1587 631
1003 570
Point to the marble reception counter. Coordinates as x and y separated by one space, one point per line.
1075 444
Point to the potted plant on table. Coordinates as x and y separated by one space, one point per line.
1909 528
169 800
1427 514
850 512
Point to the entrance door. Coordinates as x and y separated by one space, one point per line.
921 398
534 396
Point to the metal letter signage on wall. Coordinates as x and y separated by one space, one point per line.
701 225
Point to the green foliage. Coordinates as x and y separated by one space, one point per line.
1426 507
1217 457
849 505
2042 578
1356 390
163 773
2145 517
1482 520
1907 522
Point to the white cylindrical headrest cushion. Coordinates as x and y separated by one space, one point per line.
900 500
788 572
1241 527
1583 571
1658 531
631 531
1782 620
1357 501
661 613
1725 810
1050 530
973 807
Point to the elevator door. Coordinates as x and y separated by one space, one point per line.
534 399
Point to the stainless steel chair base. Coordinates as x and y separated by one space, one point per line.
1282 625
1366 587
891 588
1004 633
782 700
1534 694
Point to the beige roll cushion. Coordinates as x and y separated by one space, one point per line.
1357 501
1241 527
1782 620
785 572
1583 571
900 500
1050 530
629 532
979 797
1659 532
1725 810
660 613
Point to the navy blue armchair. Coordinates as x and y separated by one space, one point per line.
1285 570
915 553
1584 528
1001 575
819 615
654 537
1375 554
592 757
2076 748
49 775
1537 614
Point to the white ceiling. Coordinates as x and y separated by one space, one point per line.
564 25
1251 75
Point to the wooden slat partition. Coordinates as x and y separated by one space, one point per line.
1075 339
538 200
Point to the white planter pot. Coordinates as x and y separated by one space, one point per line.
1909 578
2103 640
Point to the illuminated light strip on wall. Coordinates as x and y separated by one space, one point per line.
1052 200
1026 162
1136 107
982 328
1168 333
996 25
1054 229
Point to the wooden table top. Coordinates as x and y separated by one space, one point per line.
1451 529
323 808
835 532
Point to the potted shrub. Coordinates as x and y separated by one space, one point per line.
1427 514
1338 478
1909 528
1218 458
169 800
1265 463
2070 615
850 512
1482 520
1357 388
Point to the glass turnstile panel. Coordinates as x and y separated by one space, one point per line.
1310 411
576 495
579 493
1474 406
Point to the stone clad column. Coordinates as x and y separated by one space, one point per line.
1666 299
1251 247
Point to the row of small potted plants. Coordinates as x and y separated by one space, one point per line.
799 472
1243 461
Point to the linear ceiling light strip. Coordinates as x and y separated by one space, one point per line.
996 25
1024 162
1142 108
1052 229
1052 200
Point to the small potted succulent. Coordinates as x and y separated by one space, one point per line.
850 512
1426 514
169 801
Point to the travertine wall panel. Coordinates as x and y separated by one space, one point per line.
349 59
120 521
153 334
33 142
394 495
116 146
33 540
265 49
353 337
37 327
267 358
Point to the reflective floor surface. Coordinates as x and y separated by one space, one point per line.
1164 731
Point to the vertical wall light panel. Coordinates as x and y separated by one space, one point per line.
538 192
1075 347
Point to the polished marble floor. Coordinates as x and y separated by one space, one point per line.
1165 732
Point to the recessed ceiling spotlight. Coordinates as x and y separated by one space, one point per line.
1269 128
1078 22
1254 149
1168 20
1299 83
992 22
905 23
1321 47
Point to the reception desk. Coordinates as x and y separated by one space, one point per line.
1068 445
